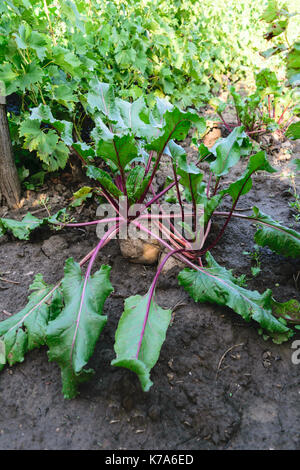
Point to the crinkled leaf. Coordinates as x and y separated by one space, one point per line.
131 118
26 330
21 228
132 353
215 284
72 336
104 178
266 81
85 151
176 125
284 241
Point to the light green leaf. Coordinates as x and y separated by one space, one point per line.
139 339
229 150
21 229
293 131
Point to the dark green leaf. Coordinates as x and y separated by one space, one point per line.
284 241
217 285
26 330
72 336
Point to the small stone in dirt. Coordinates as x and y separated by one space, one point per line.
127 403
154 413
54 245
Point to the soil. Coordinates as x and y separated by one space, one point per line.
217 384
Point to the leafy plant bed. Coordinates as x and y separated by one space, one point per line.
131 140
218 384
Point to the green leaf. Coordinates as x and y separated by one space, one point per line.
35 139
136 183
57 159
296 163
293 65
70 11
119 150
49 149
229 150
266 81
101 97
270 13
81 195
132 353
72 336
290 310
257 162
104 178
217 285
191 179
21 229
275 29
43 113
31 39
293 131
26 330
8 76
67 60
32 74
273 50
84 150
284 241
176 125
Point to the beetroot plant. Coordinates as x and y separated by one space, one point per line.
131 140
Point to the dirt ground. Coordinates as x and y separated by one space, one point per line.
202 398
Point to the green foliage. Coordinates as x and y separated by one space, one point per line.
64 55
282 240
26 330
130 139
139 340
20 229
281 25
215 284
272 106
72 336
